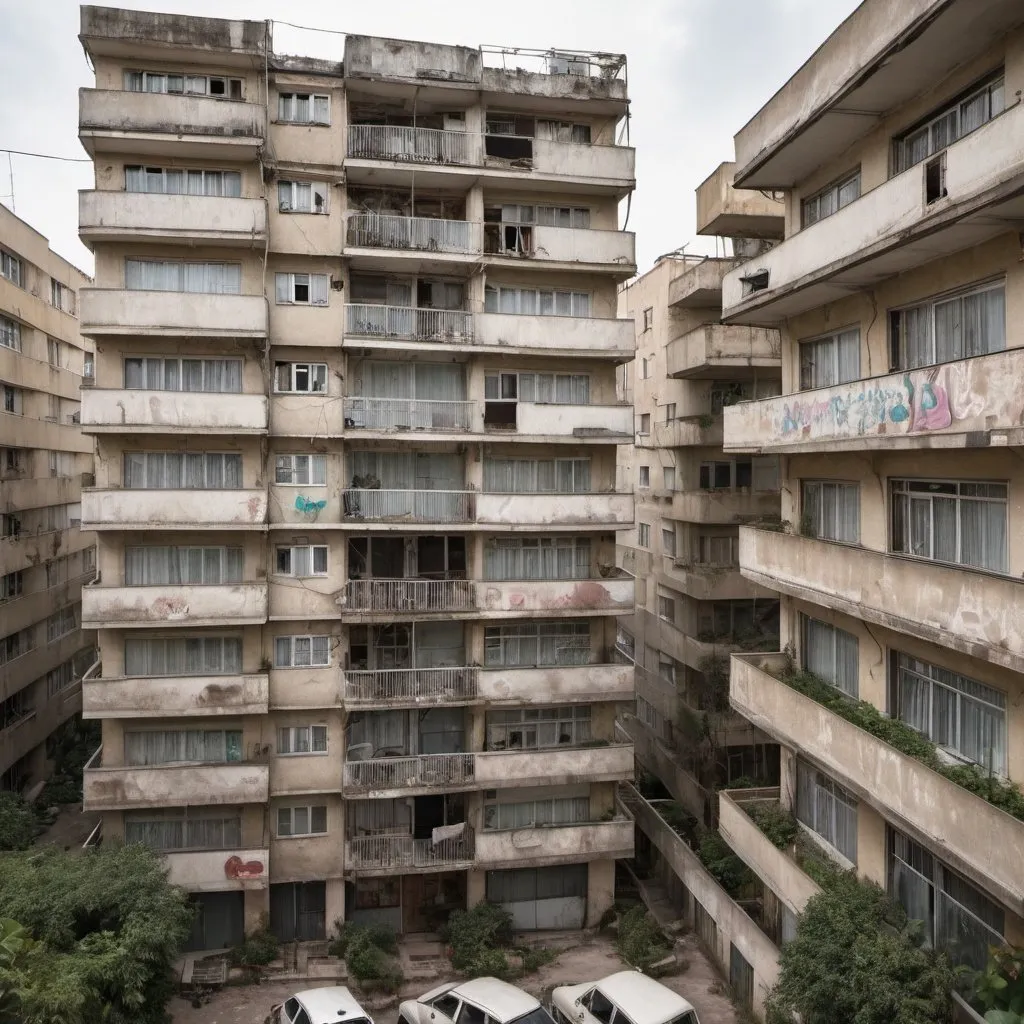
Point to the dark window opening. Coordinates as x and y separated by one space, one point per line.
935 179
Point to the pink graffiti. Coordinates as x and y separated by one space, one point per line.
235 867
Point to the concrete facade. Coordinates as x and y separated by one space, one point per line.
356 419
45 461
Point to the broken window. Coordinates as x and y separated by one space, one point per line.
302 197
217 86
303 470
179 181
302 289
302 560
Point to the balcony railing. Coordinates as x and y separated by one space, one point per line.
408 505
429 685
410 595
407 414
388 853
413 145
409 323
422 234
422 771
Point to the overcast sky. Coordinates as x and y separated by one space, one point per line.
698 70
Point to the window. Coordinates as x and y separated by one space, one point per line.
301 378
668 540
12 400
523 126
669 474
302 651
543 388
670 412
176 470
666 608
10 333
62 464
645 423
53 351
645 476
537 476
61 677
302 560
175 746
176 566
174 276
957 917
63 622
645 369
538 728
532 813
304 108
643 535
216 86
182 831
11 585
831 511
947 521
179 182
89 560
183 656
15 708
56 572
302 821
89 366
14 645
833 359
725 475
61 296
648 318
537 558
718 550
952 122
832 198
533 302
215 376
14 460
302 197
302 739
302 470
957 326
10 267
827 810
537 644
302 289
964 717
567 881
831 654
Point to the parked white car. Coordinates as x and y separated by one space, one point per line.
480 1001
330 1005
628 997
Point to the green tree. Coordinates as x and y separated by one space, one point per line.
14 944
17 823
856 960
107 925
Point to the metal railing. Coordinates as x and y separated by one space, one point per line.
427 684
368 413
413 145
414 506
409 595
370 852
429 234
409 323
422 770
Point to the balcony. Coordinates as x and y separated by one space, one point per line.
554 510
559 684
374 597
603 595
118 311
554 844
239 604
592 249
882 412
698 284
408 506
412 234
122 509
975 837
166 696
172 785
504 769
977 613
143 217
397 324
875 235
737 213
581 337
401 415
407 776
602 424
708 582
219 870
410 687
704 431
366 856
407 145
119 411
723 505
720 352
156 124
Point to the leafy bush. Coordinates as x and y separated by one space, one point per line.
370 954
727 869
535 957
259 948
999 989
640 941
778 824
477 937
17 822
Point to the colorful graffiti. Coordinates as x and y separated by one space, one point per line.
235 867
918 405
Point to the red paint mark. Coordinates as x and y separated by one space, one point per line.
255 507
166 607
235 867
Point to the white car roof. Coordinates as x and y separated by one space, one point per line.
502 1001
643 1000
330 1004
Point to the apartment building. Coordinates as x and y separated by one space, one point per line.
44 462
356 422
693 606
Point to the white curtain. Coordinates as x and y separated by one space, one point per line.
383 731
827 809
530 301
184 833
832 654
169 746
173 181
537 476
379 817
302 651
538 729
528 644
183 656
207 278
209 375
150 566
834 510
176 470
424 381
537 558
556 811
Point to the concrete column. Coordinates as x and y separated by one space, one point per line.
476 886
257 903
335 902
600 889
476 732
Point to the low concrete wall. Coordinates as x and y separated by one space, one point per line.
160 696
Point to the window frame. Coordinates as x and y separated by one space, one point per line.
12 267
836 635
840 487
314 550
290 810
316 373
205 173
10 333
316 741
837 795
293 281
186 78
287 108
312 460
316 188
648 322
292 639
643 535
834 188
833 339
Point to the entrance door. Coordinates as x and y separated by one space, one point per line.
219 922
298 911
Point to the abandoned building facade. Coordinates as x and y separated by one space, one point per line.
356 422
44 461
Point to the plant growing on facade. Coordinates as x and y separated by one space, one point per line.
999 989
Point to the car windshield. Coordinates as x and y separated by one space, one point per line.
537 1015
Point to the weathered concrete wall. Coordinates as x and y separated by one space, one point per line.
560 334
380 57
175 786
737 213
164 509
178 409
582 245
564 420
172 695
577 161
544 685
535 847
219 870
173 30
556 596
118 311
554 509
723 348
499 769
116 110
